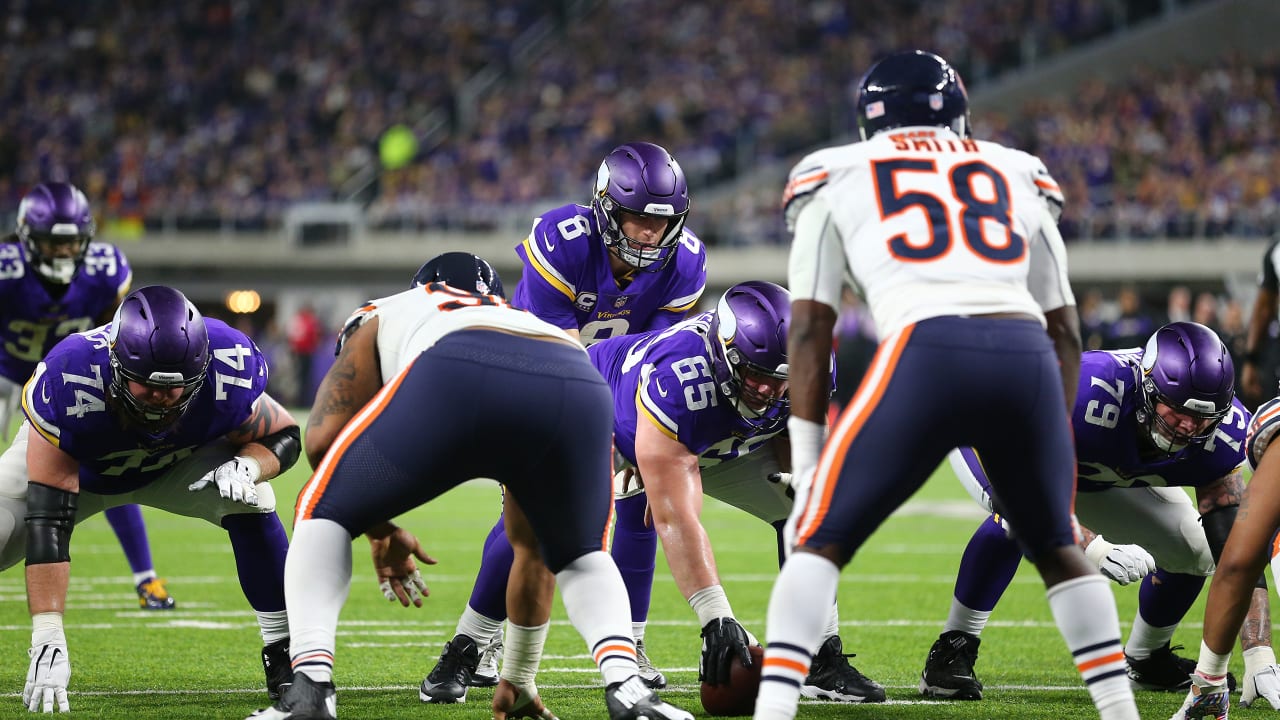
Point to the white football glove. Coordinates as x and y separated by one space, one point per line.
50 670
1122 563
235 479
1261 677
1208 698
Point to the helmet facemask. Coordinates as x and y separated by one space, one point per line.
157 339
643 180
55 227
748 335
152 418
642 256
1168 438
1186 371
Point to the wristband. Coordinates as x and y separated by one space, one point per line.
807 438
46 629
710 603
1256 658
1211 663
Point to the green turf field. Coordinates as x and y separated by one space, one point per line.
201 660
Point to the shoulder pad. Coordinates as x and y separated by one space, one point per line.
1048 188
805 179
353 324
1262 428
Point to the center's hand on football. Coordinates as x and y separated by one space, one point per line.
510 702
723 640
398 575
235 479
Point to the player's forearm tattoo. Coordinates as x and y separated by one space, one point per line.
265 416
337 392
1229 490
1256 630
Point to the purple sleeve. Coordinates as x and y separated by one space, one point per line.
552 265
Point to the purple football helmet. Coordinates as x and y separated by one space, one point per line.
461 270
55 226
749 351
1185 366
912 88
642 179
158 339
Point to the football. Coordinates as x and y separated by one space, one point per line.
739 696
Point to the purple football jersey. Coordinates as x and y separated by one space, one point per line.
567 280
1110 442
32 321
65 401
666 376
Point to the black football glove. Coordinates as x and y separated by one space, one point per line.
722 639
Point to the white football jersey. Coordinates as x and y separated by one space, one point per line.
414 320
926 223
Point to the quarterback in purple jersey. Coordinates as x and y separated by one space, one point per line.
623 264
159 407
1147 423
54 281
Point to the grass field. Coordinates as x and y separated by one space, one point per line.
201 660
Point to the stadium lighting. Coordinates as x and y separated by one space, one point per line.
243 302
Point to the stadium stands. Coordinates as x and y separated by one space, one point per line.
218 115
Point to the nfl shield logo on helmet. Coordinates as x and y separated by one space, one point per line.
482 287
935 102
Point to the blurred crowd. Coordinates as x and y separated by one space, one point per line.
217 113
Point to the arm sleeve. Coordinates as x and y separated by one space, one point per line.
1047 278
817 264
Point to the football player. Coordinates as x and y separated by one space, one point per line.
1234 588
1147 422
54 281
623 264
456 342
698 408
160 407
953 243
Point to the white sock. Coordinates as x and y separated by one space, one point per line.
141 577
273 625
637 630
317 578
965 619
481 628
833 623
799 607
1144 638
1085 611
596 601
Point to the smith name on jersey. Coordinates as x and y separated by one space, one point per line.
65 401
569 283
1109 440
666 376
928 224
32 320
